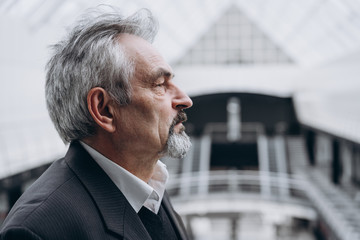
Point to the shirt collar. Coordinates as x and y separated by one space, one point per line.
158 182
136 191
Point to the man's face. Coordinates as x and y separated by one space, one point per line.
152 122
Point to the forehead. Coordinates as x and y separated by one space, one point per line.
147 58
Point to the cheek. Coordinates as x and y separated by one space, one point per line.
154 114
166 124
142 110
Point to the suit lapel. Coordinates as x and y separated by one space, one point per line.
174 218
119 217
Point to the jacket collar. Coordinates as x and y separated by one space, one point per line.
174 218
118 215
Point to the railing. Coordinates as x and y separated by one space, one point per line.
265 185
220 130
298 191
335 206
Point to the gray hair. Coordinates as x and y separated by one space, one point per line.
90 56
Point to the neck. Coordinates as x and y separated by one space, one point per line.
141 167
139 164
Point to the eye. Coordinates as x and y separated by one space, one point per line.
160 84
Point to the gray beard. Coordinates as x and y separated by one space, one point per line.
177 145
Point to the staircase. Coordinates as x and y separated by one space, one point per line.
336 207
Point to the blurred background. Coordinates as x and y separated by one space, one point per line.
275 124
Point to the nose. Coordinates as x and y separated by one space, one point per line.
181 100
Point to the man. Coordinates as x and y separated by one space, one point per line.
112 96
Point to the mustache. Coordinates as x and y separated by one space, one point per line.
180 117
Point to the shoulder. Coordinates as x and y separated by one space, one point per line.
56 203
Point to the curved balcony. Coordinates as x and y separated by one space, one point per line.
276 197
240 191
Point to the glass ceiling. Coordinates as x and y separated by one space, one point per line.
312 32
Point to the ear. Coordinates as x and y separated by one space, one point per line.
101 108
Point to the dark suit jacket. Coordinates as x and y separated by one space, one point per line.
75 199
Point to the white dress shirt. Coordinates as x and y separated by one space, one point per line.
136 191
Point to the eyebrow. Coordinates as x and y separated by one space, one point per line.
161 72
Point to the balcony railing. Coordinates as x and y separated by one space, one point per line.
265 185
188 188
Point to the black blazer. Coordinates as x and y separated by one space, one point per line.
75 199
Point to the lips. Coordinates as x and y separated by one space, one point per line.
180 117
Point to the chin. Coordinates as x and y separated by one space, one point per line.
179 128
177 145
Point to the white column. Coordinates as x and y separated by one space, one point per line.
280 153
233 119
205 151
264 165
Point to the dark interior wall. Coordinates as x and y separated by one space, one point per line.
239 156
269 110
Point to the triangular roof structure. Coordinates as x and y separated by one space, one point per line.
234 39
